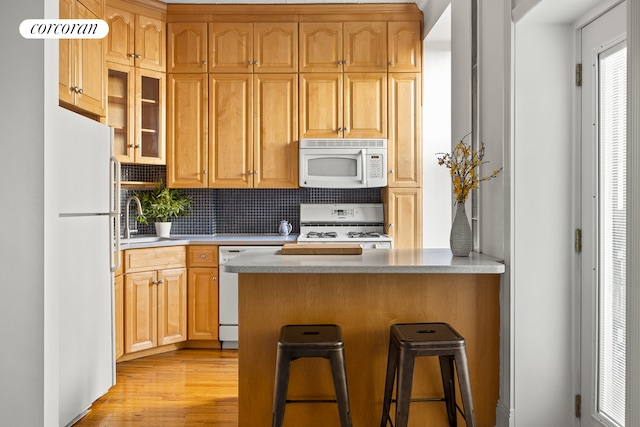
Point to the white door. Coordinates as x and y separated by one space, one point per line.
603 210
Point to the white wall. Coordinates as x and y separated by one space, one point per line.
543 232
22 234
436 133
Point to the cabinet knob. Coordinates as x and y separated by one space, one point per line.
204 62
132 55
339 129
204 171
250 172
132 146
255 172
137 146
390 171
346 61
340 62
138 56
250 62
203 256
391 63
255 62
346 129
391 225
214 278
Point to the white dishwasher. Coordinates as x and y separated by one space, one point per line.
228 295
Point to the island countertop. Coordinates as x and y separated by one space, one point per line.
379 261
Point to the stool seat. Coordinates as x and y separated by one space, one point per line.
298 341
410 340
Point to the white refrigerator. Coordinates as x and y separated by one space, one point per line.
87 194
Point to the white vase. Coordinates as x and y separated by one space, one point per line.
163 229
460 239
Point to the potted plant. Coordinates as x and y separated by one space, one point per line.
160 205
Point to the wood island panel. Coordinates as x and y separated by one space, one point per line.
365 305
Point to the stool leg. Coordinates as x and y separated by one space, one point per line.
465 387
339 371
448 384
283 366
392 362
406 363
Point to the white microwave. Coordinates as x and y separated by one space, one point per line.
343 163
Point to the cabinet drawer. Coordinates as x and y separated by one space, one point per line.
203 256
154 258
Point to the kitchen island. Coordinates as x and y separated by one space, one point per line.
365 294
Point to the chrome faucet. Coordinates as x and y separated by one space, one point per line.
127 231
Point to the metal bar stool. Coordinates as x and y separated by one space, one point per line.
411 340
297 341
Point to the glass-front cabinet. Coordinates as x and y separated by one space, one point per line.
136 112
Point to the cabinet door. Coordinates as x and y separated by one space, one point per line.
140 311
321 105
230 47
403 216
365 105
203 303
320 47
172 306
275 131
121 110
118 297
150 117
365 46
230 133
405 46
404 143
187 47
151 43
90 69
275 47
121 38
187 150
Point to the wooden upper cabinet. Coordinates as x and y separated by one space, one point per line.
253 48
321 105
187 144
320 47
187 49
405 46
121 38
352 46
151 43
337 105
275 47
81 66
365 46
403 216
230 47
230 131
365 105
275 141
135 40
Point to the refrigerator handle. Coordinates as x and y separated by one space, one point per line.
114 212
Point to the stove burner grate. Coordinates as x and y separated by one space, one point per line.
363 234
322 234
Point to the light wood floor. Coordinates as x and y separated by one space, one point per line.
184 388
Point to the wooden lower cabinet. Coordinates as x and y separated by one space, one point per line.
155 309
155 298
202 290
203 303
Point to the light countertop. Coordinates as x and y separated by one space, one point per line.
150 241
270 260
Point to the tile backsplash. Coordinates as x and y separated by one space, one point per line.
240 210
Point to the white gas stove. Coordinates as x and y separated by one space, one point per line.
344 223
